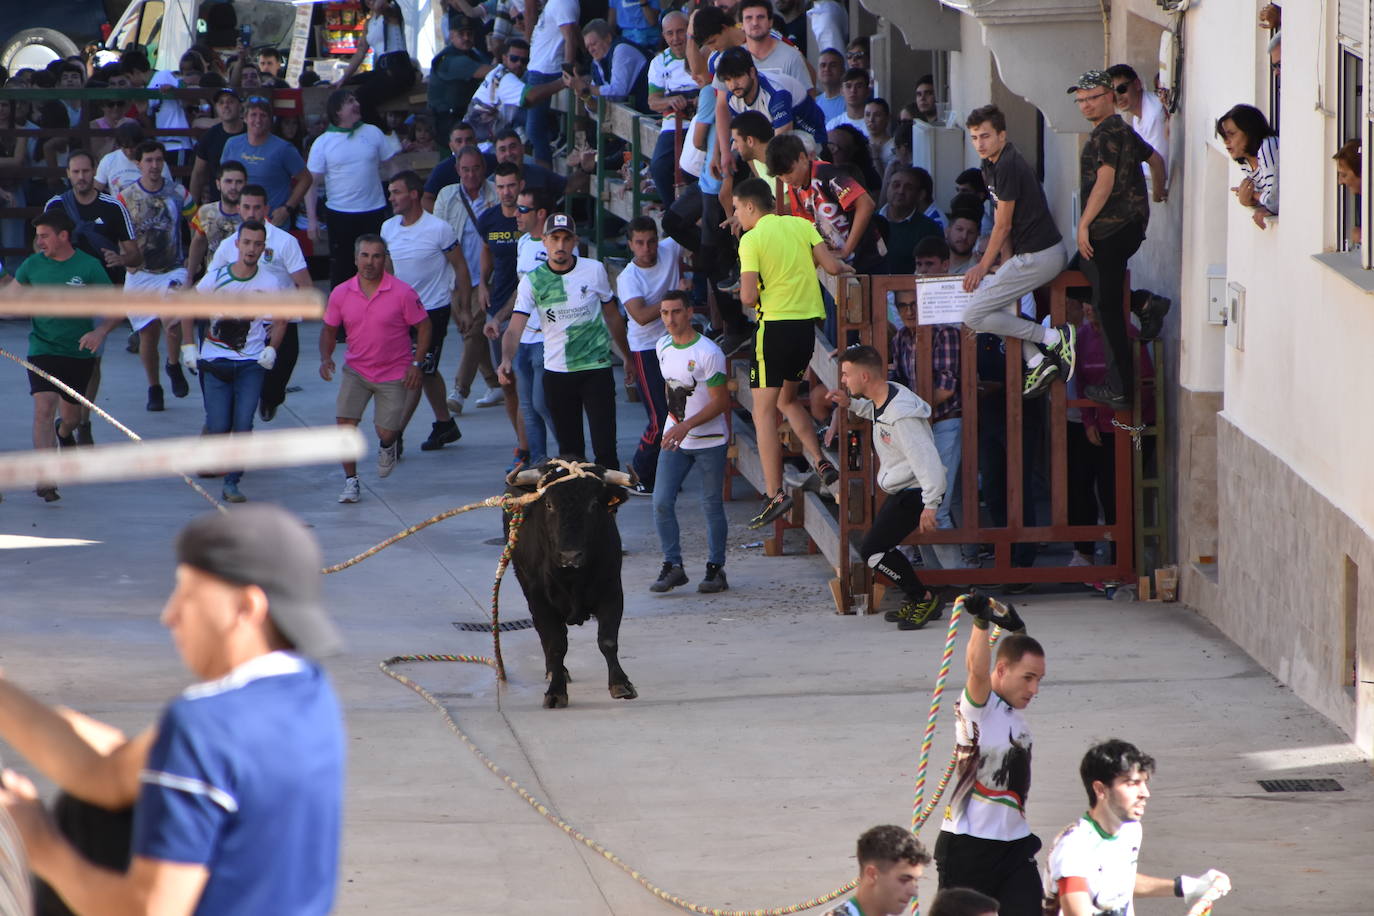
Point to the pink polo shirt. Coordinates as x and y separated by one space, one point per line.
378 329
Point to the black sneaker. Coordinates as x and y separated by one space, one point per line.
47 494
731 342
827 471
442 434
178 378
641 489
267 412
774 507
730 282
1106 394
1039 378
670 576
132 344
916 614
715 579
83 434
1152 314
67 441
155 402
1017 588
1064 351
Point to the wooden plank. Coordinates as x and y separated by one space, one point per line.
743 393
824 529
616 198
747 462
826 367
620 122
66 301
188 455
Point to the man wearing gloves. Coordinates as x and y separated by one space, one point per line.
236 353
910 472
1093 862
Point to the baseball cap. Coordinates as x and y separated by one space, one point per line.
266 546
559 222
465 24
1093 79
224 91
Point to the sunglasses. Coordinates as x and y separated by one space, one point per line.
517 60
521 208
1121 88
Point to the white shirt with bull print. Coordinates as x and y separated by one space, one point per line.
992 776
690 371
569 307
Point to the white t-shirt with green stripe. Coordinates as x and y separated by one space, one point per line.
690 371
569 307
228 338
993 773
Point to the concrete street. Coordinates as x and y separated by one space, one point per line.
768 734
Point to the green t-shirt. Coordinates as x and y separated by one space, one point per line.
778 249
52 336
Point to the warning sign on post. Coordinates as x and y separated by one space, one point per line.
941 300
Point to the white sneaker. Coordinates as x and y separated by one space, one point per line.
493 397
352 490
455 401
386 460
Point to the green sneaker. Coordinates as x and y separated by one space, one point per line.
1064 351
1039 378
914 615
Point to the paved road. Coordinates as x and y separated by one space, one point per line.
769 732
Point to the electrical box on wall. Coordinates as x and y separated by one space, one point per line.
1216 294
1235 316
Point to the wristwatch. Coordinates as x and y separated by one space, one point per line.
415 363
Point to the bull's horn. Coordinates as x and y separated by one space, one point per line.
620 478
524 478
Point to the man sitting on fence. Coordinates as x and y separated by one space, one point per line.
777 278
910 472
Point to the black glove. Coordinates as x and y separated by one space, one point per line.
1005 616
980 606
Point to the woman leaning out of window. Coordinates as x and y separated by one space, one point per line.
1253 143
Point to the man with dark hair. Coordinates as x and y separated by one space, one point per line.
962 901
891 862
118 168
460 136
785 102
270 64
769 48
830 83
237 790
379 313
985 842
961 234
838 206
778 257
1111 228
1092 863
750 134
218 219
695 434
504 95
424 253
906 223
62 347
508 147
926 107
910 473
1025 237
157 209
210 147
653 271
1144 109
533 208
857 89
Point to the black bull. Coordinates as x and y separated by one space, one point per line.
567 559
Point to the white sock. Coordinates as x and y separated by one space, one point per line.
1035 360
1051 337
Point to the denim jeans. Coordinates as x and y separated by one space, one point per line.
663 166
537 117
230 401
529 385
949 442
673 466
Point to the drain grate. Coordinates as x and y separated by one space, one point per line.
504 626
1301 785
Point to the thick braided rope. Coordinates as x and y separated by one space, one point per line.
84 402
16 889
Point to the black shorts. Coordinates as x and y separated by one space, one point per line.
438 330
782 351
74 371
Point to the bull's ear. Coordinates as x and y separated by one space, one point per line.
615 496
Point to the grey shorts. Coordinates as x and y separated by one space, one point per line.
355 391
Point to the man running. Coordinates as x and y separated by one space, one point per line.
891 861
1093 862
985 842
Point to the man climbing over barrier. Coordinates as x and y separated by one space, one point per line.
985 842
1093 862
891 861
909 471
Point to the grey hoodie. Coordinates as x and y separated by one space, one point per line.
907 456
